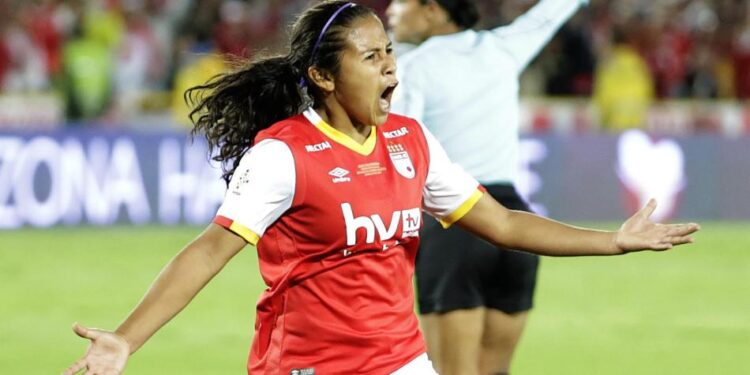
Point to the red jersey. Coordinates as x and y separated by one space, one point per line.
336 225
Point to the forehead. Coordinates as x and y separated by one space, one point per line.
366 33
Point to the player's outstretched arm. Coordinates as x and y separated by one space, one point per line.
185 275
525 231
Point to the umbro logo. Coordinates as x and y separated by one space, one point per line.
339 175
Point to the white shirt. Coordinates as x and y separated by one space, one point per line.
464 88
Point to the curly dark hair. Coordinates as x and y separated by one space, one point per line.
230 109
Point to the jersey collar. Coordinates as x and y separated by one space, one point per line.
341 138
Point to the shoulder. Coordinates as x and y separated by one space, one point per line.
288 130
268 151
433 53
396 121
420 55
440 45
399 126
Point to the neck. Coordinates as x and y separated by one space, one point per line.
335 116
445 28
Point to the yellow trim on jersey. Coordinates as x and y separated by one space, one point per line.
245 233
462 209
365 148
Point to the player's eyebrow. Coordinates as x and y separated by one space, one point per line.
377 49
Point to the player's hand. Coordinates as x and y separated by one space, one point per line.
640 233
107 353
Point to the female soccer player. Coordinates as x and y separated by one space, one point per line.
331 196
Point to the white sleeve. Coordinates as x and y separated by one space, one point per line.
449 192
260 191
529 33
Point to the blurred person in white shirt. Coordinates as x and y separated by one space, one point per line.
463 86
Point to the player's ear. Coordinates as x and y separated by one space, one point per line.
321 78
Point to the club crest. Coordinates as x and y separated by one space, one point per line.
401 160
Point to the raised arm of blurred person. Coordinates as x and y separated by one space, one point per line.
180 280
527 35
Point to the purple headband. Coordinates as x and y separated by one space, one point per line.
302 80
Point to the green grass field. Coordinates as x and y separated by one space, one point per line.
683 312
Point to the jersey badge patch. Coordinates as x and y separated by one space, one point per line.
401 160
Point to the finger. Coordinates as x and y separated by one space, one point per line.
648 209
78 366
661 246
682 229
693 227
86 333
680 240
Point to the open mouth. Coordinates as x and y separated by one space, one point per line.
385 97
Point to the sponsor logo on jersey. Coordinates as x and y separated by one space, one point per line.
410 220
396 133
339 175
370 169
318 147
302 371
400 159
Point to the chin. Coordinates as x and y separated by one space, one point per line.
380 119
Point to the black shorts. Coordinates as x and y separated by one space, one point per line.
457 270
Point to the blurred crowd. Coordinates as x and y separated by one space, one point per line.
107 58
628 53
